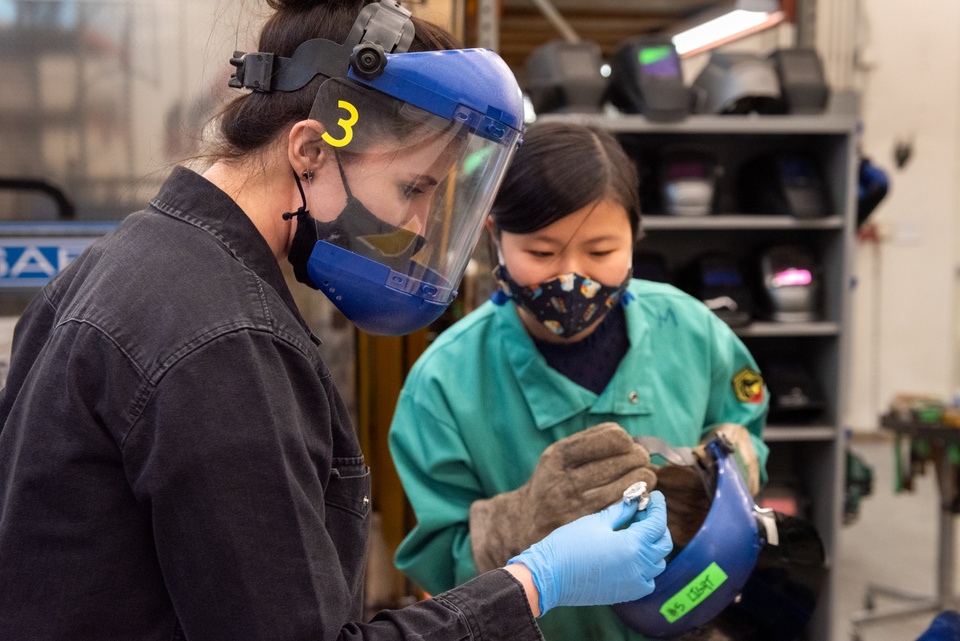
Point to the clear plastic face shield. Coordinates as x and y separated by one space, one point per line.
418 188
421 141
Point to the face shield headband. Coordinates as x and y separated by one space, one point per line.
380 28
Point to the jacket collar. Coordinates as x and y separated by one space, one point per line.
191 198
553 398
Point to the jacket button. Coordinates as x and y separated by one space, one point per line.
634 398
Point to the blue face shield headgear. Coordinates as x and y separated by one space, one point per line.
749 574
444 124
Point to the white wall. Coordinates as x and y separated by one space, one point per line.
904 302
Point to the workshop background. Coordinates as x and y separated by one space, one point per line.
156 71
101 97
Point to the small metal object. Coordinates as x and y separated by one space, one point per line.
637 492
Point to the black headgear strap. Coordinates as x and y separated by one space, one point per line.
381 27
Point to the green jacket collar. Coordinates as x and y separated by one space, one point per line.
553 398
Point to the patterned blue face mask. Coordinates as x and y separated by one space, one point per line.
566 304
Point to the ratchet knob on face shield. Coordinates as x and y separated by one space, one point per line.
368 60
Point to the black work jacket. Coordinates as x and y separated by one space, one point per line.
175 461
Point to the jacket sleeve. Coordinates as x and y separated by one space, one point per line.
737 391
232 458
435 468
490 607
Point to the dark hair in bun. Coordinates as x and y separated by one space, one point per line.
304 5
251 121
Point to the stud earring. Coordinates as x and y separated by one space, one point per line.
307 174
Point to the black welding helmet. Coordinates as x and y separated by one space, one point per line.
718 280
687 177
784 183
781 595
566 77
796 394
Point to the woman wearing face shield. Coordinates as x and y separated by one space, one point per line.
175 460
531 403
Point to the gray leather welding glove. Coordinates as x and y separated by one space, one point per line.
687 487
743 452
578 475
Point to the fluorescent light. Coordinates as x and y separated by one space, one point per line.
725 28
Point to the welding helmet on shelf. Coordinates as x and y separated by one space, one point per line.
443 124
717 279
737 83
790 284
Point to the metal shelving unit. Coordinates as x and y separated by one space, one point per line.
741 221
809 455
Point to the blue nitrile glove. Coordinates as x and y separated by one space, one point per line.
592 562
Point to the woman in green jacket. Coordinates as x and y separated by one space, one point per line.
521 416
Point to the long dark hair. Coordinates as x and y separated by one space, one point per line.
560 168
250 122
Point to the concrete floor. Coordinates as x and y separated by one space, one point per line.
892 543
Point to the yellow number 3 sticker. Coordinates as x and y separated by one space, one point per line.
345 123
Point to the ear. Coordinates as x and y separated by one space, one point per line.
494 233
305 146
492 230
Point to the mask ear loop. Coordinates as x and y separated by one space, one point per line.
343 176
500 259
499 296
300 213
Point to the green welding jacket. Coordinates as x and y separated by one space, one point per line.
481 404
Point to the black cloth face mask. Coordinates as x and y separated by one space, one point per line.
355 229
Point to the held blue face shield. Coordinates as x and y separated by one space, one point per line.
707 574
422 141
